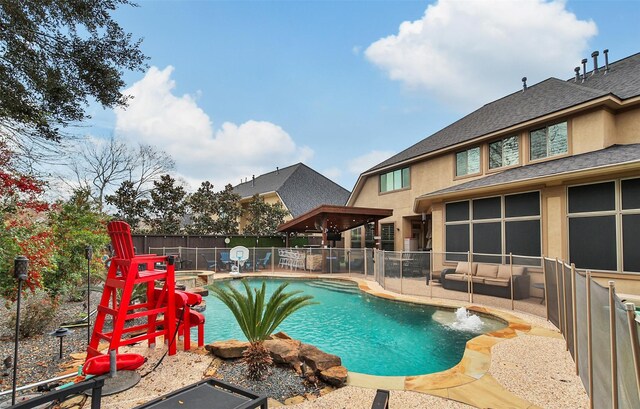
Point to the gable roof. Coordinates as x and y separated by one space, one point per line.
300 188
611 156
546 97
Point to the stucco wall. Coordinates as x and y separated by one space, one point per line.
628 127
590 130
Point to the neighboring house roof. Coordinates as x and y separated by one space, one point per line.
300 188
546 97
611 156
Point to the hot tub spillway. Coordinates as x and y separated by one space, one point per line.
338 286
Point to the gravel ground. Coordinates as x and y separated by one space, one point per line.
280 384
546 378
38 355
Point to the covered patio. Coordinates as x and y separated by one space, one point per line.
328 219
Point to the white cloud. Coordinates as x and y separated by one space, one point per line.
364 162
470 52
177 125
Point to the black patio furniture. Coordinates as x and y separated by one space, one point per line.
381 401
208 394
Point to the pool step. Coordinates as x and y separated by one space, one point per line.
335 286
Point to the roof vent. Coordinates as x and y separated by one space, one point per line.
577 70
584 69
524 84
595 55
606 60
253 180
277 170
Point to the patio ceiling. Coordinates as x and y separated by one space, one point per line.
336 219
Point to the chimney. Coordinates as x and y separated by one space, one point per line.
606 60
577 70
253 180
277 170
584 69
595 55
524 84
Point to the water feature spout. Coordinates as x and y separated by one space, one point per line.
466 322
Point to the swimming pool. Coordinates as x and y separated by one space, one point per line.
372 335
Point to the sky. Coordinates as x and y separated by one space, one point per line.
238 88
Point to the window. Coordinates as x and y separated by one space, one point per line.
600 214
398 179
356 238
468 162
504 152
492 227
388 236
549 141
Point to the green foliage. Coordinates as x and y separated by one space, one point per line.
228 211
36 312
23 229
167 207
263 219
75 224
203 205
56 57
130 208
258 319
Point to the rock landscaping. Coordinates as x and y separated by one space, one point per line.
301 371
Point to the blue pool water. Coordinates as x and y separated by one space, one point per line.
371 335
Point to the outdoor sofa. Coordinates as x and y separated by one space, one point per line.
488 279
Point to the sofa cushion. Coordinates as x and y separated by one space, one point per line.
477 280
487 270
457 277
497 282
504 271
463 268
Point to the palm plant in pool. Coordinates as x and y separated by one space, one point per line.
258 319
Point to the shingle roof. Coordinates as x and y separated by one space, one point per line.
613 155
300 188
546 97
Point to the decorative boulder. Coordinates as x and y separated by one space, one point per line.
280 335
227 349
318 360
200 307
284 351
199 290
336 376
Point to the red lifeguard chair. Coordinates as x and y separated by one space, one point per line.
126 271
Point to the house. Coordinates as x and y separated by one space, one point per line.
552 169
297 187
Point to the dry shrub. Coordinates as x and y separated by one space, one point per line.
36 312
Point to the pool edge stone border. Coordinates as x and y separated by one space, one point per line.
468 381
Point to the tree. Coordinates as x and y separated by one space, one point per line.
56 57
129 207
23 231
203 205
228 211
263 218
167 207
100 165
258 320
150 163
75 223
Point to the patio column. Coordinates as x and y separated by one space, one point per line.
324 244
